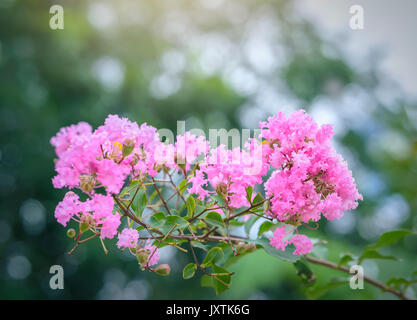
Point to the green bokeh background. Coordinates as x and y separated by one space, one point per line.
214 67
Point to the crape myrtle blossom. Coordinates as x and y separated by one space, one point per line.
293 160
104 158
128 238
309 177
303 244
97 212
228 173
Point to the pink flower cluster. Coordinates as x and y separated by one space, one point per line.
128 238
308 178
98 209
105 157
101 159
229 173
303 244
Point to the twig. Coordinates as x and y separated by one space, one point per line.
374 282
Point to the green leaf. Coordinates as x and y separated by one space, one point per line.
157 219
259 197
190 206
249 192
207 281
198 244
182 186
213 255
400 283
243 249
318 291
153 195
171 220
168 241
128 189
304 272
388 238
249 224
236 223
373 254
320 250
218 199
215 219
141 200
286 255
345 259
221 283
265 226
189 271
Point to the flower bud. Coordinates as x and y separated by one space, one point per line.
163 269
221 189
294 220
142 256
71 233
87 183
84 227
128 146
85 221
274 142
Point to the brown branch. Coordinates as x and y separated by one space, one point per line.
246 210
161 197
374 282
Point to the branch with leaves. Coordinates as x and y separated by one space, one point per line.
194 226
151 194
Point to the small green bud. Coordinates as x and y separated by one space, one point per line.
142 256
86 221
71 233
84 227
163 269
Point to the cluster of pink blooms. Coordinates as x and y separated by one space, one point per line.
308 177
99 208
128 238
104 158
303 244
229 173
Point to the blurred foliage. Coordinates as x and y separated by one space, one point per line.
226 66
